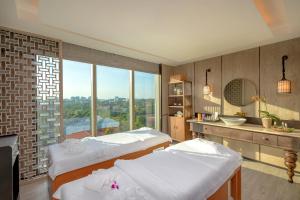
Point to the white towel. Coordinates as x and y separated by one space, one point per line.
190 170
155 186
101 181
73 146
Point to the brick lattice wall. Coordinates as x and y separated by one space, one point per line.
18 107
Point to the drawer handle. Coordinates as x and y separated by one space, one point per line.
265 138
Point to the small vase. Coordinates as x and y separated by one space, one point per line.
266 122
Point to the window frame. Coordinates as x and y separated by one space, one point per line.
131 98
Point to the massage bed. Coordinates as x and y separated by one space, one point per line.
192 170
74 159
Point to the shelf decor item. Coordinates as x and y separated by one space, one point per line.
284 85
206 88
177 77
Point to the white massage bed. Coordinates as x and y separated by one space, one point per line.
191 170
74 159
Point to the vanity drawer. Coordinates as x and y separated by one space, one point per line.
289 143
215 130
229 133
265 139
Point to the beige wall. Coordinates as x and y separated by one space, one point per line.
262 66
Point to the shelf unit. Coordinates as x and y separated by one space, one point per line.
179 100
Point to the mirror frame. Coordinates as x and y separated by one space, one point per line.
250 81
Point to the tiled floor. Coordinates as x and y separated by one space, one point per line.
259 182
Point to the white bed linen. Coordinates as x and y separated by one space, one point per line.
77 190
190 170
101 148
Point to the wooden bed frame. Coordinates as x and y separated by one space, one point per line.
223 193
82 172
235 188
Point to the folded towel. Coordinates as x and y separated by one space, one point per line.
73 146
69 142
100 148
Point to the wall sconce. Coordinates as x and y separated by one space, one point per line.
284 85
206 88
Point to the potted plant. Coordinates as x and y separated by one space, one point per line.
266 117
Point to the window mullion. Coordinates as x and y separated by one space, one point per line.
131 101
94 101
157 101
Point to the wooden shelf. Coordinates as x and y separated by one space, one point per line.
180 95
175 95
175 106
179 82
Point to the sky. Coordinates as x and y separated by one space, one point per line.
111 82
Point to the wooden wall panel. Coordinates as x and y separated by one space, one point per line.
208 103
286 106
165 77
243 64
262 66
186 69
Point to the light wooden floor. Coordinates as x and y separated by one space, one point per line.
259 182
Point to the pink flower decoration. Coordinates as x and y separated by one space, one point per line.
114 185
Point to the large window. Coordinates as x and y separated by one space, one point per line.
145 98
122 99
77 99
113 91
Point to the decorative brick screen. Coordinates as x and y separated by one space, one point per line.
48 106
19 103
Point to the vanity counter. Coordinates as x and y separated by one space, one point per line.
249 127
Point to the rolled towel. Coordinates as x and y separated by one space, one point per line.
112 184
101 180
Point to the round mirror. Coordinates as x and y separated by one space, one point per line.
238 92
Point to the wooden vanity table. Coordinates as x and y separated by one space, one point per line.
255 134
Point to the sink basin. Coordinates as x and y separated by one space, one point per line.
233 121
